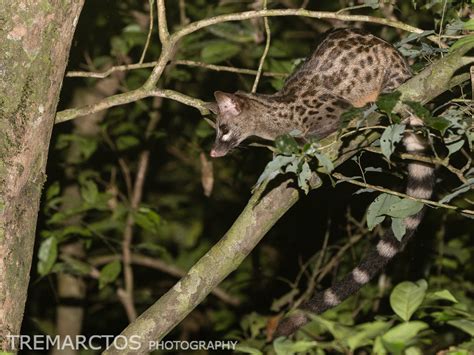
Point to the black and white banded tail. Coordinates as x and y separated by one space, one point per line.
420 185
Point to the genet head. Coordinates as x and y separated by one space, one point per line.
232 123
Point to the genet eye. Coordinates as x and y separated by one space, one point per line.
224 129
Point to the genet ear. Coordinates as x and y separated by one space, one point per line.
228 103
212 106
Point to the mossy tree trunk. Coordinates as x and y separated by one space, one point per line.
35 38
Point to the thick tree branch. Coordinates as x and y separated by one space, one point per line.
162 22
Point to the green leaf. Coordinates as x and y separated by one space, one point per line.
406 297
387 102
85 146
286 144
378 347
325 162
419 109
254 324
413 350
404 208
89 191
399 228
453 147
284 346
275 167
126 142
397 338
77 266
53 190
338 331
47 255
458 191
465 41
365 333
390 137
75 230
377 209
109 273
441 124
304 177
148 219
218 51
444 295
469 25
465 325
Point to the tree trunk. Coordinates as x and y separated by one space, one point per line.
35 37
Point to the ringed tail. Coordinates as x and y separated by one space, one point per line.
420 185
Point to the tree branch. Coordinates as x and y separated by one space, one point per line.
162 22
189 63
169 43
343 178
268 40
247 15
131 96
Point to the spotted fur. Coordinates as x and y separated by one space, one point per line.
350 68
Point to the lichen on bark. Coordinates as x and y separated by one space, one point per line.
35 38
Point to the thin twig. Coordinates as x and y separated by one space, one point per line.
127 303
148 38
247 15
350 8
224 68
312 278
183 19
106 73
341 177
442 20
431 160
335 259
189 63
268 35
136 198
124 169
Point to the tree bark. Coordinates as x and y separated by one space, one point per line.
35 38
